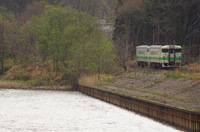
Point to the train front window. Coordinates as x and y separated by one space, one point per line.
177 50
164 50
171 50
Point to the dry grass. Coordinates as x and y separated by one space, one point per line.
193 68
132 62
164 98
164 72
88 79
196 77
95 79
39 74
177 71
12 85
16 73
17 85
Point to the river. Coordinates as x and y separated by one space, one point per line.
58 111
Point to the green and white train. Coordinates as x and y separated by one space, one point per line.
159 55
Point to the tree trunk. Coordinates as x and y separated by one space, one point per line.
2 66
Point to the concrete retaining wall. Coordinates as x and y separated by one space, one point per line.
177 117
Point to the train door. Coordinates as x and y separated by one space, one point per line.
172 57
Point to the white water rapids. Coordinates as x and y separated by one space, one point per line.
58 111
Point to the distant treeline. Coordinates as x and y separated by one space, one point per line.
158 21
98 8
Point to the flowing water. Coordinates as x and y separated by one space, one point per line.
58 111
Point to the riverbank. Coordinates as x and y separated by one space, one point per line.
16 85
162 87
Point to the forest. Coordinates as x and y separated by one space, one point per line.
157 22
54 42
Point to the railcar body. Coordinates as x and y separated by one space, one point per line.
158 55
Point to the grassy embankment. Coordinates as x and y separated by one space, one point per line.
151 90
191 71
45 75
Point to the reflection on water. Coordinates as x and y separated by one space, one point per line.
57 111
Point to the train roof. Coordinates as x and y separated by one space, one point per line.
171 47
142 46
161 46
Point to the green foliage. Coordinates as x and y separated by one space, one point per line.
174 75
110 79
5 44
71 39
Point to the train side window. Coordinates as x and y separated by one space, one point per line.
165 50
177 50
141 52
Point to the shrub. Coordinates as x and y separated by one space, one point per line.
41 81
39 74
16 73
